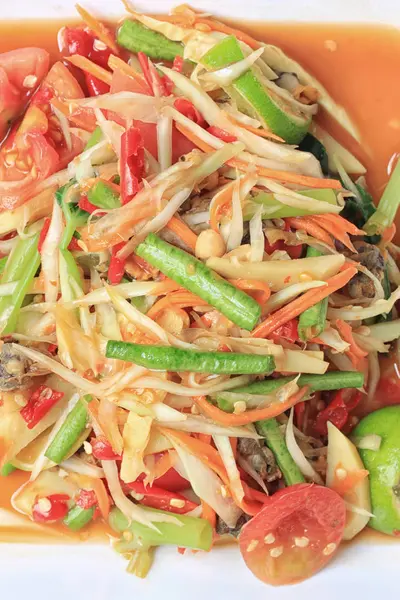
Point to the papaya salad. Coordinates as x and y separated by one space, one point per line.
196 292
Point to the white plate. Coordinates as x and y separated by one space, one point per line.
362 570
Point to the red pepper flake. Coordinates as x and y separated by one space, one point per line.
43 233
287 279
86 499
39 404
102 449
50 509
223 135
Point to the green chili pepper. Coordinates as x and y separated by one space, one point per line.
103 196
199 279
166 358
78 517
135 37
21 267
274 439
69 432
312 321
192 533
333 380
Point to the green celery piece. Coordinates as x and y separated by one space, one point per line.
312 321
7 469
387 208
192 533
78 517
68 271
282 211
140 563
94 139
3 262
275 441
22 264
103 196
275 112
74 216
135 37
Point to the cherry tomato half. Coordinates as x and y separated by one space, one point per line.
296 534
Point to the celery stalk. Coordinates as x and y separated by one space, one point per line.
276 210
21 267
140 563
194 533
387 207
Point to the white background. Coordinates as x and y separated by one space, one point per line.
361 571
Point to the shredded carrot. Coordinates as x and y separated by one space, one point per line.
234 444
208 514
309 226
335 228
184 232
165 287
180 299
204 437
389 233
265 133
252 284
296 307
98 28
220 200
285 176
205 452
102 497
223 28
346 333
90 67
116 64
340 222
250 416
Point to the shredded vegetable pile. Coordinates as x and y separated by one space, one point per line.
196 288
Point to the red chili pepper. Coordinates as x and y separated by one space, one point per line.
80 41
43 233
57 511
288 331
293 251
186 108
132 163
336 412
74 246
178 64
222 134
116 269
39 404
299 411
102 449
52 348
95 86
86 499
172 481
156 497
85 204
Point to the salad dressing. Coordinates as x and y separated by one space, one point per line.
356 63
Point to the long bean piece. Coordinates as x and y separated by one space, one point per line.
312 321
69 432
274 439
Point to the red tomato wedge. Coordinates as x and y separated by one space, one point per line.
296 534
21 72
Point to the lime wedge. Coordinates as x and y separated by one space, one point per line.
276 113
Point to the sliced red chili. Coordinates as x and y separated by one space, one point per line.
178 64
288 331
336 412
56 511
86 499
95 86
116 268
43 233
74 246
186 108
131 163
156 497
85 204
39 404
102 449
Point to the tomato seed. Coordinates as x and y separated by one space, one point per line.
276 552
301 542
329 549
269 539
252 546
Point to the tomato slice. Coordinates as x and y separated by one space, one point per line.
296 534
21 71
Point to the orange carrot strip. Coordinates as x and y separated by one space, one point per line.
253 284
184 232
285 176
250 416
98 28
346 332
221 199
223 28
90 67
389 233
234 443
265 133
179 299
334 229
341 222
204 437
117 64
164 464
307 225
208 514
165 287
310 298
102 497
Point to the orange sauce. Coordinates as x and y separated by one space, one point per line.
358 64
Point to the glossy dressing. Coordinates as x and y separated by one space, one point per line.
359 65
